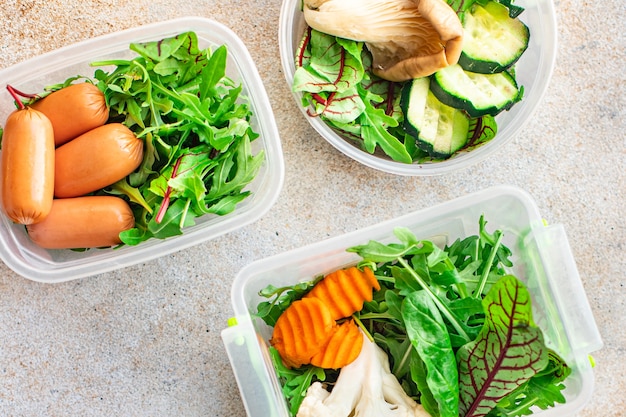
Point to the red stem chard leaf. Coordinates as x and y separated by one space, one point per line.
428 334
340 107
481 130
508 351
334 65
542 391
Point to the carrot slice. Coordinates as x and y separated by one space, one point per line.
302 330
344 291
342 348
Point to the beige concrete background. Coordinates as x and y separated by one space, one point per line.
145 340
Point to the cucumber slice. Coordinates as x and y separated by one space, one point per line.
493 41
477 94
438 129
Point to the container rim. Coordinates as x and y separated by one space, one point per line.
90 49
547 32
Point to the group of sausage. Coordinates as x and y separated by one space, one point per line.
56 153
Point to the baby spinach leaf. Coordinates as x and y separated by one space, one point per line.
508 351
428 334
418 375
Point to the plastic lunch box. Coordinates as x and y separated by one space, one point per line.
542 258
50 266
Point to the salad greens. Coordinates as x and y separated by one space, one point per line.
458 328
196 128
334 76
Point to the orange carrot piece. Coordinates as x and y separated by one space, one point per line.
302 330
342 348
344 291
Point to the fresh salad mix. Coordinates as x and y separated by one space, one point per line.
196 128
441 331
354 72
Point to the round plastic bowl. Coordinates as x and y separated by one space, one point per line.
534 70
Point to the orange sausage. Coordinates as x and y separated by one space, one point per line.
83 222
74 110
95 160
27 166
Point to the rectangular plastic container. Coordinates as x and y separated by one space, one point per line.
35 263
541 256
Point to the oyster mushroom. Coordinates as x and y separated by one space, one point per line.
407 38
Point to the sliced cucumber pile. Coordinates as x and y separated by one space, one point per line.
493 41
440 110
438 129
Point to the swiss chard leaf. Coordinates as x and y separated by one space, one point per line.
481 130
339 108
334 65
330 71
508 351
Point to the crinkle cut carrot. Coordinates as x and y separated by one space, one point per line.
302 330
344 291
342 348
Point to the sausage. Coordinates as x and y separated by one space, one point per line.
74 110
27 166
83 222
95 160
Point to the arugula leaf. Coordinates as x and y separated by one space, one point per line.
543 390
508 351
409 278
295 381
280 299
374 131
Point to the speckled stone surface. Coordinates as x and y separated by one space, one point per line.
145 340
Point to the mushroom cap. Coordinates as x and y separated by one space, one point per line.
407 38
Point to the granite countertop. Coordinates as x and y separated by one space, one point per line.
145 340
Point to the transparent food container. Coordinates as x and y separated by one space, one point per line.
533 72
33 262
541 257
